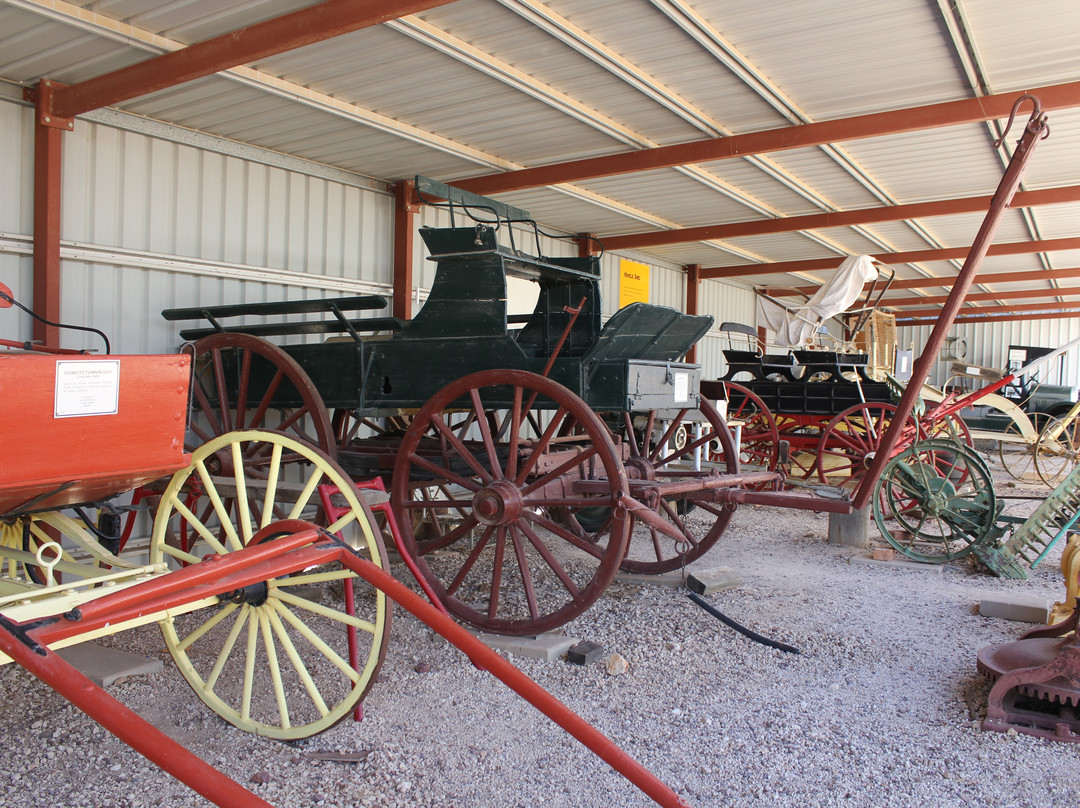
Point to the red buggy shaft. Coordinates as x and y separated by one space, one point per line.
1036 129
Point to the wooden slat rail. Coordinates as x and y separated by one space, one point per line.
336 306
357 303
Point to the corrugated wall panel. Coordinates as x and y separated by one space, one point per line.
726 303
229 225
987 344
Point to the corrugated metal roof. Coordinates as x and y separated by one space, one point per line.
481 85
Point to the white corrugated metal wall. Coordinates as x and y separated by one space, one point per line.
987 344
151 222
157 217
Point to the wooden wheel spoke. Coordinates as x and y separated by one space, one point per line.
673 516
249 669
444 473
541 445
290 617
686 451
445 432
203 406
297 662
549 558
242 390
524 571
470 561
222 392
227 646
496 573
515 433
485 434
669 433
567 535
446 539
275 670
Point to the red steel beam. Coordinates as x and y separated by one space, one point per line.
913 256
1025 276
931 116
1020 295
843 218
287 32
1035 130
972 311
1001 318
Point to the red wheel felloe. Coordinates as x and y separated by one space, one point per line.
487 461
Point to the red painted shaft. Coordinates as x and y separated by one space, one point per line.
129 727
1035 131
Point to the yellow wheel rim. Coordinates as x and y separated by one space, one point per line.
273 660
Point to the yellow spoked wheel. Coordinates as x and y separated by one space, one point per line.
291 656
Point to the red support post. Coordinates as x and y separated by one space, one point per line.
405 209
587 245
693 287
48 146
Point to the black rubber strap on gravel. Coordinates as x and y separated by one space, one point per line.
753 635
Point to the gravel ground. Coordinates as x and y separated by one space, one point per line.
882 706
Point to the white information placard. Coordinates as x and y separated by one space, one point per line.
682 388
87 388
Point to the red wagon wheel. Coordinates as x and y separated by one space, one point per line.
244 382
851 439
759 438
803 435
487 460
677 449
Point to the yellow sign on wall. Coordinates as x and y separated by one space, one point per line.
633 283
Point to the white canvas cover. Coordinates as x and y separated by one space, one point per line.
795 326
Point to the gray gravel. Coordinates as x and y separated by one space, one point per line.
881 707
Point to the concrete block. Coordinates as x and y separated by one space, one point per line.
548 646
1021 609
705 582
584 653
103 666
868 558
850 529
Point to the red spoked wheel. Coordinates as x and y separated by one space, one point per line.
488 460
759 438
688 445
803 436
244 382
850 442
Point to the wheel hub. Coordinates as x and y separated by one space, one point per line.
639 468
498 504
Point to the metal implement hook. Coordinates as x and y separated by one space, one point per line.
1037 118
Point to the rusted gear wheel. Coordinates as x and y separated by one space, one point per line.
244 382
487 460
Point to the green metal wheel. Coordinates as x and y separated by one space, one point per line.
291 656
935 501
